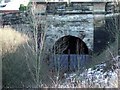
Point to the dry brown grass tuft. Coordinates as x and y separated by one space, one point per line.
10 40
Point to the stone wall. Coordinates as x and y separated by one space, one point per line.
75 25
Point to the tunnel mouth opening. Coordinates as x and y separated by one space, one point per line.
69 54
70 45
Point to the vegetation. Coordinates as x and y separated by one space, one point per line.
22 7
22 57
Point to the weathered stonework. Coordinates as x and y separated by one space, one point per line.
75 25
93 28
81 25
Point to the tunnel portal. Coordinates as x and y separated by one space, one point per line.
70 54
70 45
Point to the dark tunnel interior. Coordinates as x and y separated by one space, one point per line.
70 45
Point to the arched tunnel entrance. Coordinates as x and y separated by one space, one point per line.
70 53
70 45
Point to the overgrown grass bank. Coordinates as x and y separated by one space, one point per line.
11 39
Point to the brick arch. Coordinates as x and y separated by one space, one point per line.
70 45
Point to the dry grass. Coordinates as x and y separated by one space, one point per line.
10 40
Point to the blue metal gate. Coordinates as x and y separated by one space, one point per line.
71 62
